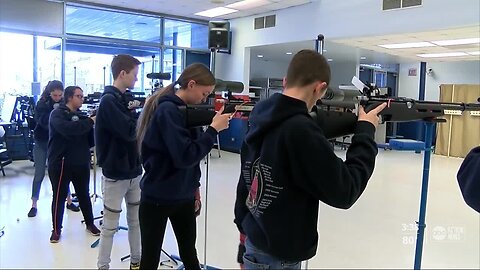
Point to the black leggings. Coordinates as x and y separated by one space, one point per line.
60 177
153 223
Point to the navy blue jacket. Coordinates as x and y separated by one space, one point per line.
171 154
42 114
71 137
115 137
287 167
469 178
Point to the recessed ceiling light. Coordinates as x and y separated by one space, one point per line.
363 58
260 56
324 50
329 59
215 12
408 45
474 53
462 41
434 55
289 53
248 4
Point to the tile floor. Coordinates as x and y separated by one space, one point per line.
377 232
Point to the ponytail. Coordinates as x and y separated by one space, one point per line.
148 111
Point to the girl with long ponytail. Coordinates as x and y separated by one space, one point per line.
171 154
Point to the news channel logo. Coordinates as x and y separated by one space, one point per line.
448 233
437 233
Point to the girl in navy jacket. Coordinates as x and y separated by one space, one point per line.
171 154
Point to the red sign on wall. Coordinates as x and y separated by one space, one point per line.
412 72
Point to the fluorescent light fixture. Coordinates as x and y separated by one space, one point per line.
434 55
462 41
329 59
248 4
215 12
289 53
408 45
260 56
474 53
363 58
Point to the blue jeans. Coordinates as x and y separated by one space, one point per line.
254 258
40 161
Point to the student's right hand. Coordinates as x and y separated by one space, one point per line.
371 116
220 121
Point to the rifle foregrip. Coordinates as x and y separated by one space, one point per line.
335 124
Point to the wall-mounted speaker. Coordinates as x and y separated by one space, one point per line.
218 35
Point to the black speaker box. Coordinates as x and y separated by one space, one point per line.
218 34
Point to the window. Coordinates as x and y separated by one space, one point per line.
173 64
16 66
109 24
87 64
49 63
186 34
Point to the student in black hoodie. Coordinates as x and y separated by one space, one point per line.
171 154
118 156
70 140
468 177
50 99
288 166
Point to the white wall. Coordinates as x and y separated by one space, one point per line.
343 72
340 19
408 85
264 69
462 72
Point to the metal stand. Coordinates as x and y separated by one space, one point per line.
95 195
207 168
95 244
423 199
162 263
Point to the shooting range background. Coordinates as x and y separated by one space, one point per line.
460 133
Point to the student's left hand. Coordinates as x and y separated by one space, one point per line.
198 203
198 207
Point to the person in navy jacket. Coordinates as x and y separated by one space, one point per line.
70 140
468 177
288 167
171 154
50 99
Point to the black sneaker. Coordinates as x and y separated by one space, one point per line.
55 237
135 266
73 207
32 212
93 230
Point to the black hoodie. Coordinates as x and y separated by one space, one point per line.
42 114
71 137
469 178
171 154
115 137
287 167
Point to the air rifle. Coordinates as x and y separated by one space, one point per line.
336 112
